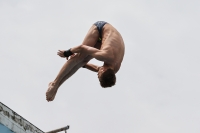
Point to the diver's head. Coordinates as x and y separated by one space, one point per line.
106 77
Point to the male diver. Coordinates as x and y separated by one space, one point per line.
102 42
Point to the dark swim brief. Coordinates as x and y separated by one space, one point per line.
99 25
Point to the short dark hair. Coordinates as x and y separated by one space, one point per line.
108 78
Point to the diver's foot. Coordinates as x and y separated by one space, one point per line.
51 92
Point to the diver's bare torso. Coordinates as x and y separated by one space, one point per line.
113 43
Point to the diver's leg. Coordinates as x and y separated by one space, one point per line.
78 65
71 72
52 90
90 40
74 69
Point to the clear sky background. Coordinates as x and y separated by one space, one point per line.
157 89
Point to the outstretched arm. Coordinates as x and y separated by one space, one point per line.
91 67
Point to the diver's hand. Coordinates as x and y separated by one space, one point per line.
61 53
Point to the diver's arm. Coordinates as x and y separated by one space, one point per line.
100 55
91 67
